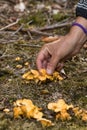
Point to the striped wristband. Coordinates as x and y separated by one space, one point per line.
81 26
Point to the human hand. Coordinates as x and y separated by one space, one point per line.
53 54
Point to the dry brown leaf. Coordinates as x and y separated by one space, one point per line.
50 39
45 91
17 58
6 110
19 66
26 63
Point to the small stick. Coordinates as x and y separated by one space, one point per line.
40 33
29 34
9 25
18 30
27 45
6 56
6 42
55 26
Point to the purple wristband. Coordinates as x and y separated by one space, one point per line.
79 25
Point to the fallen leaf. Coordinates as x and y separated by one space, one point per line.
19 66
17 58
26 63
50 39
45 91
6 110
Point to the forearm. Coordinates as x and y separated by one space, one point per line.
81 14
77 33
75 39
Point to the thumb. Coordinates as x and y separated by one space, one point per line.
52 65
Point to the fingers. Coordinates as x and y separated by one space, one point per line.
46 60
52 64
42 58
39 61
60 66
47 57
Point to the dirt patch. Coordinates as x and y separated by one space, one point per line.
26 45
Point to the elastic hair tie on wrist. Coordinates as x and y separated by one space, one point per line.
81 26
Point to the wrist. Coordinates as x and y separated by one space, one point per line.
80 26
77 32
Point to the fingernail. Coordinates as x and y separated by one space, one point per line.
49 71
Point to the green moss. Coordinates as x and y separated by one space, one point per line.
59 16
37 18
73 89
4 124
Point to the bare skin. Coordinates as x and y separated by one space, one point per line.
53 54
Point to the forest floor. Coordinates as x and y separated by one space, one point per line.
20 36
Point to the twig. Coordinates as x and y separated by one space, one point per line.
29 34
55 26
18 30
6 32
6 42
9 25
29 31
6 56
40 33
27 45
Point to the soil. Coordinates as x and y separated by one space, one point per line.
26 45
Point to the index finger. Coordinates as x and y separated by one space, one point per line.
42 58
